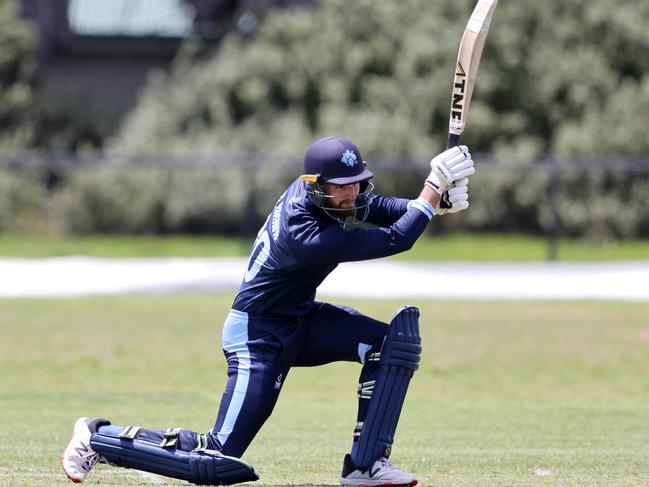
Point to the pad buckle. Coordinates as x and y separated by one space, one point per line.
201 441
170 438
365 389
130 432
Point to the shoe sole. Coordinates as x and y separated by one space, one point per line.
77 423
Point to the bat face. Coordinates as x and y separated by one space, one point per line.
468 61
456 120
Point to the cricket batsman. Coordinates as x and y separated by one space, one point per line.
275 323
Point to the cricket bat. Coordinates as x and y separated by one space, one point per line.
466 69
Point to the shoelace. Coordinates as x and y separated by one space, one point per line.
89 459
385 465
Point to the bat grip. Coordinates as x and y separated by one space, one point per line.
453 140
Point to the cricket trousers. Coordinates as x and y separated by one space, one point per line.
261 350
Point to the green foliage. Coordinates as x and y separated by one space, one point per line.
65 123
512 198
113 200
28 119
618 127
22 196
16 67
556 78
601 205
122 197
126 198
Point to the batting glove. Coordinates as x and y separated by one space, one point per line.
456 198
449 166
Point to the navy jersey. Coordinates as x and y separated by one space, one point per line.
299 245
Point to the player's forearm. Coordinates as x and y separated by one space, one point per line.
374 243
333 244
397 238
430 195
385 211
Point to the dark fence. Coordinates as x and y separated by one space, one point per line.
596 198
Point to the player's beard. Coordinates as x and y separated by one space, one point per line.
343 211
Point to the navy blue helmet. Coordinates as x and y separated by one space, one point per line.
337 160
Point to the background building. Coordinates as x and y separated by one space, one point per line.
97 54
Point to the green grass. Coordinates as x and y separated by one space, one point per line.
521 248
506 392
463 247
122 246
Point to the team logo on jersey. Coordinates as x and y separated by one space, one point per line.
349 158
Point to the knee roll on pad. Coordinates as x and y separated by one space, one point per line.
400 356
200 466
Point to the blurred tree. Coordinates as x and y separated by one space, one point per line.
16 70
29 120
556 77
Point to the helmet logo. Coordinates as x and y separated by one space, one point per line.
349 158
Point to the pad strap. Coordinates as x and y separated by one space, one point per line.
130 432
170 438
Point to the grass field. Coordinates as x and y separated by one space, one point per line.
450 247
508 394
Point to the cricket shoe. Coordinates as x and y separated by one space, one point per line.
78 457
383 472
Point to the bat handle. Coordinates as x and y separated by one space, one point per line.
453 140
